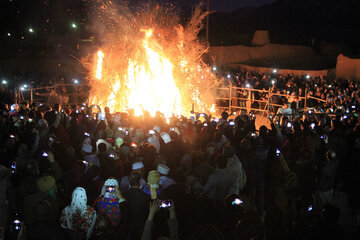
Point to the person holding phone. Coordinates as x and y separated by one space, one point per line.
155 206
109 201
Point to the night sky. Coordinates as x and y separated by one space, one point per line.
230 5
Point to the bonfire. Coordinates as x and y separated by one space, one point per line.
148 61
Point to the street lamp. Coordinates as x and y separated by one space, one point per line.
4 82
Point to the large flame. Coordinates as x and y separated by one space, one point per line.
152 69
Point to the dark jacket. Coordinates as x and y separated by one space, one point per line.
327 175
139 205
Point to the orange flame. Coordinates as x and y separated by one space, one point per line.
161 70
99 64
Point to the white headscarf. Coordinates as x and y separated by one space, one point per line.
108 183
78 202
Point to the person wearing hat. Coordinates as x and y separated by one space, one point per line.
46 191
125 183
165 181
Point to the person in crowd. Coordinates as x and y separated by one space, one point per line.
327 177
125 182
108 203
78 217
164 181
276 171
219 183
139 204
155 206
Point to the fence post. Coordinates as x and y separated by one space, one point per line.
269 96
31 96
230 87
305 100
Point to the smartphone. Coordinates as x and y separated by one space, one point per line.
323 136
353 107
86 163
77 111
30 119
152 132
17 225
312 126
165 204
56 112
127 132
87 134
51 139
110 192
253 134
310 208
231 123
110 189
172 129
111 155
289 125
133 144
12 136
216 120
237 202
102 116
205 124
277 152
21 117
45 154
202 115
13 167
192 116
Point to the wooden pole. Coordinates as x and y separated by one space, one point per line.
230 87
305 100
31 96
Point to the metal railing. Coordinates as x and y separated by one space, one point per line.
267 102
29 94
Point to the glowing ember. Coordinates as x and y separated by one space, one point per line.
152 64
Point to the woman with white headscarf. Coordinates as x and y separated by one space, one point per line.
78 216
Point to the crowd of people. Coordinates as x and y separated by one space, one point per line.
324 94
72 172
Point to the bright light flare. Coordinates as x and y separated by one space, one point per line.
99 64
